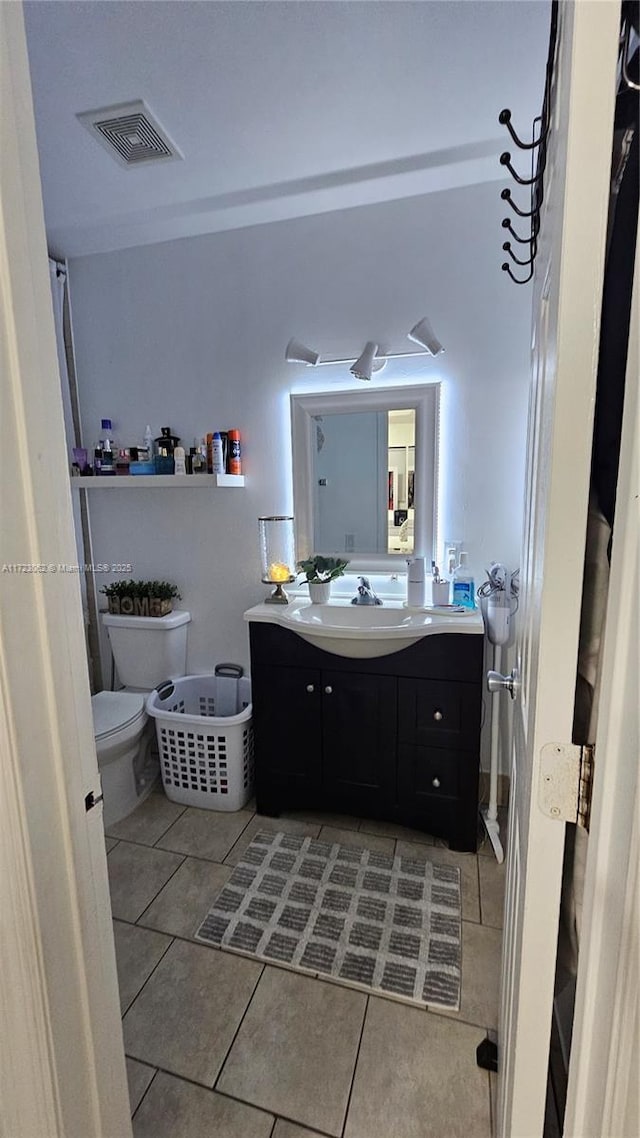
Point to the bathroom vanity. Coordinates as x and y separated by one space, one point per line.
394 737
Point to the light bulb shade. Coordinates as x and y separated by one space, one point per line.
363 366
422 333
297 353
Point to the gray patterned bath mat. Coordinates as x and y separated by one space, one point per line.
365 918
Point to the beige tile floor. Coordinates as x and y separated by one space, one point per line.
222 1044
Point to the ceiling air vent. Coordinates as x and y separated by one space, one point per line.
131 134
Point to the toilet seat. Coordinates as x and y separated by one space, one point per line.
114 711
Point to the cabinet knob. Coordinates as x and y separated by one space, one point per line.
311 687
435 782
437 715
328 689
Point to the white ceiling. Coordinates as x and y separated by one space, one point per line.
281 108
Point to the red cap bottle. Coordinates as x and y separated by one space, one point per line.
235 454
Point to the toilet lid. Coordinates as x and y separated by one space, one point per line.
113 710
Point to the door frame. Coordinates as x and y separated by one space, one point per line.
602 1093
566 314
62 1071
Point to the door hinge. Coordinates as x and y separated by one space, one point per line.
566 782
92 799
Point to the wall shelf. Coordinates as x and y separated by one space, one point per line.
156 481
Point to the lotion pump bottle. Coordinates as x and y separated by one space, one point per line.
464 590
415 582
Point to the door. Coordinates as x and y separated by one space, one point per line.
62 1069
603 1094
566 308
287 735
359 739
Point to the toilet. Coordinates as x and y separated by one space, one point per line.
147 651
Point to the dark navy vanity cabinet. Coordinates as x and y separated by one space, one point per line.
393 737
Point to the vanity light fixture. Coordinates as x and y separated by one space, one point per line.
297 353
363 366
373 357
422 333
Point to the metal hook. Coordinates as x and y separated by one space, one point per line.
505 160
507 248
506 197
626 37
504 118
535 229
506 269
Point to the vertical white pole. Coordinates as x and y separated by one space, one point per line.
492 813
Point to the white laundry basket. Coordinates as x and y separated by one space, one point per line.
205 738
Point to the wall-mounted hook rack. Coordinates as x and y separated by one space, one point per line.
504 118
507 248
537 148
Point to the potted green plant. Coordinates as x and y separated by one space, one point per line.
319 572
140 598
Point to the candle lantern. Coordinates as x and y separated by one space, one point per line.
277 556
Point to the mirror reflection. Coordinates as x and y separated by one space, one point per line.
363 481
365 473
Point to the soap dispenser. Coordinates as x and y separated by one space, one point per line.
463 585
415 582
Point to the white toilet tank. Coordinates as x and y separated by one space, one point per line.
148 649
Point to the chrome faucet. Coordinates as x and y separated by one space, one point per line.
365 594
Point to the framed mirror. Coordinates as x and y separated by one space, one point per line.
365 474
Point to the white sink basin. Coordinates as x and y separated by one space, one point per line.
362 631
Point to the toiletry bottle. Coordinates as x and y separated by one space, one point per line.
210 452
148 442
198 460
107 446
415 582
464 591
179 461
217 454
235 453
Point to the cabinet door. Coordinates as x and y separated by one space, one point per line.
359 754
287 733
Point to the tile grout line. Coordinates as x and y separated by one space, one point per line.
448 1014
144 984
148 845
179 853
355 1066
151 1082
235 1034
159 1070
156 895
277 1117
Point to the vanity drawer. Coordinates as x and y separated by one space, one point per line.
427 773
436 713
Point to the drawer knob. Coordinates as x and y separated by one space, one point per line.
435 782
437 715
328 689
311 687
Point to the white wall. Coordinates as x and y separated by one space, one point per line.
192 333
